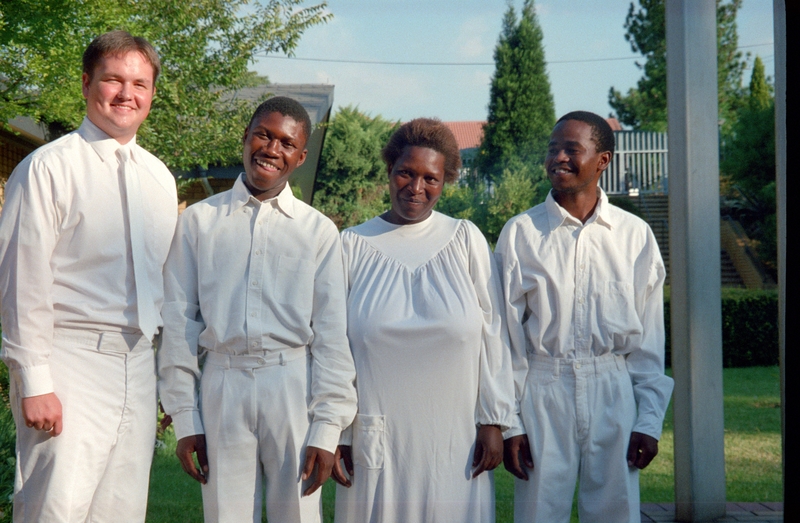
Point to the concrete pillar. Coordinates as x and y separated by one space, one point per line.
694 242
779 28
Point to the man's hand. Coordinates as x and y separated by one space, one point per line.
488 449
641 450
194 445
516 450
343 453
322 461
166 421
43 413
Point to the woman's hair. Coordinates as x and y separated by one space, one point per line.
425 132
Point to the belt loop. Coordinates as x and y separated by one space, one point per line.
283 361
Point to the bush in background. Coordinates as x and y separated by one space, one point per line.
7 450
749 328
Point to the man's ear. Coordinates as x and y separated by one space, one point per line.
85 81
302 158
244 136
605 160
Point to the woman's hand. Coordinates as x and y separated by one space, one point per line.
343 452
488 449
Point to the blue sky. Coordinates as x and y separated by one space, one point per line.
583 39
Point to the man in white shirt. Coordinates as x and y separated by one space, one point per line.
583 289
255 293
81 253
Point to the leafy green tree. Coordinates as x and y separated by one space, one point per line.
749 164
352 182
516 191
521 110
645 106
205 46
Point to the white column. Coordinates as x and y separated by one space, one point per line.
695 303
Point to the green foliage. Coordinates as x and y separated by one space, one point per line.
352 182
205 47
519 188
521 110
645 106
7 448
749 165
749 328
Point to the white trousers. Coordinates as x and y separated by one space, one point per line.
255 414
98 468
578 415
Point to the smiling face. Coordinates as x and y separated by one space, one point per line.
573 163
119 93
274 146
415 183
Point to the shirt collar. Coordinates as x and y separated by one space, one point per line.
104 145
558 216
241 196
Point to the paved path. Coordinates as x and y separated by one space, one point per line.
758 512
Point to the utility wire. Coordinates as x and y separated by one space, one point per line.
382 62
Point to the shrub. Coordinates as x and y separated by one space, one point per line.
749 328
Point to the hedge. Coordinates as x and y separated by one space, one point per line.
749 327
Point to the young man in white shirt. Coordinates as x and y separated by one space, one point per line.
255 367
81 253
583 289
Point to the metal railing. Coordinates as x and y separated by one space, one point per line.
639 162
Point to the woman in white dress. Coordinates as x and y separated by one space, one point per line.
433 369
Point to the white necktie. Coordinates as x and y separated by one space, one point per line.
133 194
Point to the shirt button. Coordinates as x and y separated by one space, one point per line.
583 266
577 365
580 300
255 283
254 344
253 314
258 252
262 361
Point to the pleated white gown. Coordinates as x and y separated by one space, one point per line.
425 333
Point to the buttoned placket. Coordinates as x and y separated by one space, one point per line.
259 231
581 319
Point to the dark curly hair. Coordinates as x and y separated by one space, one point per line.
287 107
602 134
425 132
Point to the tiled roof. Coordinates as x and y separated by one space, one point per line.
468 134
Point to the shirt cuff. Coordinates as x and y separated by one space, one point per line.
347 436
515 430
652 428
187 423
324 436
35 380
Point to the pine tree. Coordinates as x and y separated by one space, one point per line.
521 109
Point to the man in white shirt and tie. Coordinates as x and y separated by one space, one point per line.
84 234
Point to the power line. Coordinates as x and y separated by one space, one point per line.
386 62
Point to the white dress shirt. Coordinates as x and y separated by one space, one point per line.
65 254
577 290
244 277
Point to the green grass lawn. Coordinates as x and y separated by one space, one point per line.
752 456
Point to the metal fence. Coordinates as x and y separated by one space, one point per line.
640 162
